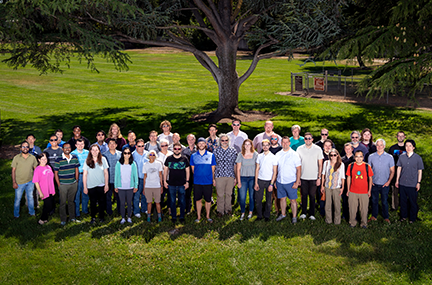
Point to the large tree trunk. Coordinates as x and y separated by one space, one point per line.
228 83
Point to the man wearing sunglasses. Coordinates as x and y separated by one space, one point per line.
237 137
140 157
23 165
324 137
176 179
311 157
53 151
267 134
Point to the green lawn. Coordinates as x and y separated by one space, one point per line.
174 87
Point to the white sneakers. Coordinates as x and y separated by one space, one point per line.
138 215
302 216
122 221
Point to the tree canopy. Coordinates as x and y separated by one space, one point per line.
47 33
395 30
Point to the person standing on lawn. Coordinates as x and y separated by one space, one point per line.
176 179
96 182
153 184
359 182
175 139
59 135
408 180
112 157
152 144
324 137
77 135
66 176
224 174
166 134
212 140
383 167
237 137
23 165
396 150
274 145
126 183
81 154
296 139
203 164
347 159
267 134
100 141
140 157
265 178
311 157
43 178
53 151
288 178
114 132
355 141
188 151
131 141
34 149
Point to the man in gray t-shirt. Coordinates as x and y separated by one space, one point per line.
408 179
112 156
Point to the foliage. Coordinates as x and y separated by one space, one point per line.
400 33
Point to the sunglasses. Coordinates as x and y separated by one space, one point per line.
354 137
236 125
165 145
139 146
152 154
165 126
126 153
359 157
274 139
53 140
223 140
308 139
333 154
177 148
324 134
24 146
100 135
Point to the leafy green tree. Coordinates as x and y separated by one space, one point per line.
395 30
47 33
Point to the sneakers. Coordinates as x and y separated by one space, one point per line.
159 219
148 219
209 220
294 220
364 227
312 218
75 221
197 221
122 221
129 220
92 221
303 216
249 216
242 217
138 215
63 223
280 218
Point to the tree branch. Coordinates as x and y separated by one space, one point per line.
236 11
212 18
206 30
255 60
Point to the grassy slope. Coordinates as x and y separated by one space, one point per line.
174 87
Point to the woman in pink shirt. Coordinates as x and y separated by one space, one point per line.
43 178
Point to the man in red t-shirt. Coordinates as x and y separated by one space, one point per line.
359 182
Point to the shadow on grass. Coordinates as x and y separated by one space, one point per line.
398 247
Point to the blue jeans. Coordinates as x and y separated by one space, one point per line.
383 191
136 198
85 198
28 188
247 183
173 190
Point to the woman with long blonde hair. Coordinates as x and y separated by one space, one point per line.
115 133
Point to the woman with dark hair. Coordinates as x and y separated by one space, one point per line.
366 139
95 180
126 183
43 178
115 133
246 163
333 177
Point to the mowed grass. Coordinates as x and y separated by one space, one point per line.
175 86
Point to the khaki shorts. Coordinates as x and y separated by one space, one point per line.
152 193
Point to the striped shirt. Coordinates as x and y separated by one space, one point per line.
66 168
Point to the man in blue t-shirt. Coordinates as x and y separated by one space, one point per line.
203 164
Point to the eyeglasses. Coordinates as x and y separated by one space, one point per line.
152 154
66 147
359 157
308 139
140 146
177 148
126 153
223 140
51 140
274 139
165 126
333 154
100 135
236 125
324 134
25 146
165 145
354 137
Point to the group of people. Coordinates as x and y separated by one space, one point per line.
136 174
